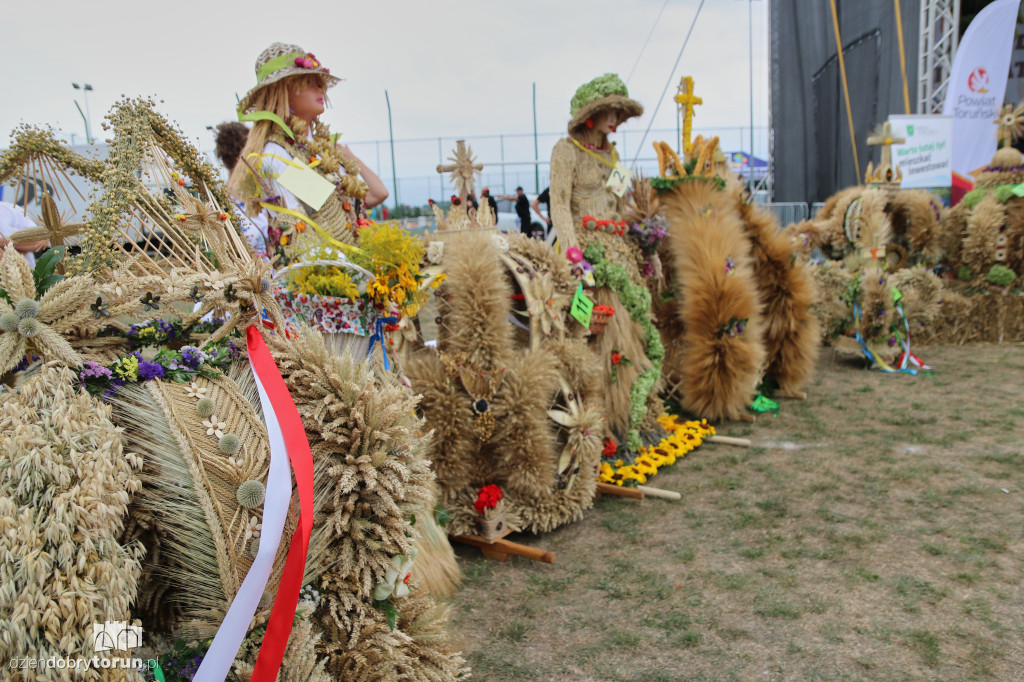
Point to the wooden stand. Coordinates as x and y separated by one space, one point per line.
502 548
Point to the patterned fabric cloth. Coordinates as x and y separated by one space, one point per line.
327 314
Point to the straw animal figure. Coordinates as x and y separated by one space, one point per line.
488 400
715 350
787 292
986 229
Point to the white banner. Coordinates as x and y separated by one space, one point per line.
926 157
977 83
1015 84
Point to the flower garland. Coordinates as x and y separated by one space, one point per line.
181 366
637 300
158 331
619 227
683 437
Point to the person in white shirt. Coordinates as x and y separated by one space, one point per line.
12 219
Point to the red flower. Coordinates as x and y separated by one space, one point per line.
487 498
610 448
616 357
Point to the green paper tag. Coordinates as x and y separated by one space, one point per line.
896 294
581 307
1019 190
763 404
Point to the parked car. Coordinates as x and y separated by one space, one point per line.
508 219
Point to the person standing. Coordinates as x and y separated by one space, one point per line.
543 198
522 210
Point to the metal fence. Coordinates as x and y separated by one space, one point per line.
515 160
788 212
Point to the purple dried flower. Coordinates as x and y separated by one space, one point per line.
192 356
150 370
94 370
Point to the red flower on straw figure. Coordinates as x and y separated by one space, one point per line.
488 498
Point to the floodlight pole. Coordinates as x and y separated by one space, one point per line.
85 118
391 138
85 122
536 153
750 35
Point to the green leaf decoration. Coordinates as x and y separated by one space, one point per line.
43 274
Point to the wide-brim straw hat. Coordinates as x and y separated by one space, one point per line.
604 93
280 61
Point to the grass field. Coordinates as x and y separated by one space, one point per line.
874 532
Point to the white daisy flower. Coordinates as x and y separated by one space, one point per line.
252 530
214 427
196 391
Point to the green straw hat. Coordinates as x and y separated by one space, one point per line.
604 93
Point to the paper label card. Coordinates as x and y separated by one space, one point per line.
581 306
307 185
618 181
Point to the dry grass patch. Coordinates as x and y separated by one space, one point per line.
866 536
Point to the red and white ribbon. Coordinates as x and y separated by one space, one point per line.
288 443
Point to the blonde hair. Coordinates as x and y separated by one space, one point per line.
273 98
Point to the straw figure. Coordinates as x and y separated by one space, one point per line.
588 216
983 239
519 413
787 290
712 322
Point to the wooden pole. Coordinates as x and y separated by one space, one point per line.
501 549
728 440
846 89
618 491
903 57
659 493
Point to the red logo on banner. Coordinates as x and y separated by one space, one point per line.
978 80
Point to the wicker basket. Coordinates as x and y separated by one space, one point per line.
600 317
493 526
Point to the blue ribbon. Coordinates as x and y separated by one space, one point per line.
867 351
378 337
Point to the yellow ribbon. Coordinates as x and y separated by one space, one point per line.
615 157
324 235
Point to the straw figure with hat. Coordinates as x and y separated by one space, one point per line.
285 105
588 189
339 271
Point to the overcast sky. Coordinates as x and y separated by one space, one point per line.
451 68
